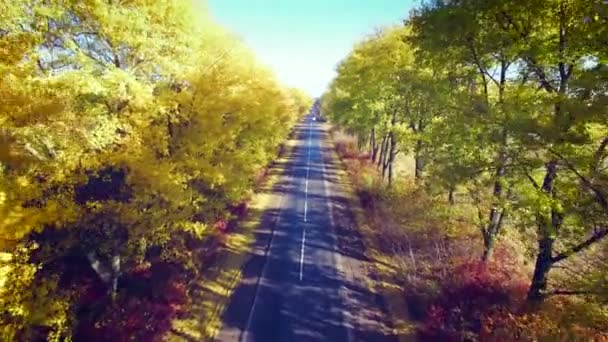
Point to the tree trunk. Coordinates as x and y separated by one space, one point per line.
494 223
115 275
547 230
495 217
385 165
373 146
451 198
488 244
419 168
108 274
387 156
496 214
97 265
391 158
536 293
382 151
392 144
390 174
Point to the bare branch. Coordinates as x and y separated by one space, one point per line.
532 63
598 157
570 293
597 192
596 237
530 178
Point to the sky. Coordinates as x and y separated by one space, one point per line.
304 40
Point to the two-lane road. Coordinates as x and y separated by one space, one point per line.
294 288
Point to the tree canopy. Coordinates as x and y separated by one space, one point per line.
504 101
125 127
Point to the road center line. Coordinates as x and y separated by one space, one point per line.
302 254
305 204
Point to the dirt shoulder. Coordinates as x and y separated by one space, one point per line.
363 262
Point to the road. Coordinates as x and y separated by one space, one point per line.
296 286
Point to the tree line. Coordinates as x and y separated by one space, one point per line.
126 129
502 102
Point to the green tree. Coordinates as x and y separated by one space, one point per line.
512 98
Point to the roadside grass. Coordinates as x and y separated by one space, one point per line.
212 290
427 252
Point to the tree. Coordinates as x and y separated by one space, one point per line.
126 128
569 134
375 97
512 95
466 35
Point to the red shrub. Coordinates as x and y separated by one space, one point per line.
473 293
149 300
346 148
221 225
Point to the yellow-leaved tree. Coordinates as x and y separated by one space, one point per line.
126 129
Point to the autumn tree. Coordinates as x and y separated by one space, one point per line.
375 96
125 127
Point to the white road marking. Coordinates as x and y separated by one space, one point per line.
302 255
305 204
257 289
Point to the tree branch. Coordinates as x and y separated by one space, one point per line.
598 157
597 236
481 69
598 193
530 178
540 73
570 293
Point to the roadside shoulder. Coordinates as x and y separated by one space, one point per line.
364 264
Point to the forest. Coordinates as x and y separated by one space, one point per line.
476 135
129 132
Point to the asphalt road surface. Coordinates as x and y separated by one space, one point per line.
295 288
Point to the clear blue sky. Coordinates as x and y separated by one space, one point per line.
303 40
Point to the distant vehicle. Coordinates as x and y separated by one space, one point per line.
318 118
